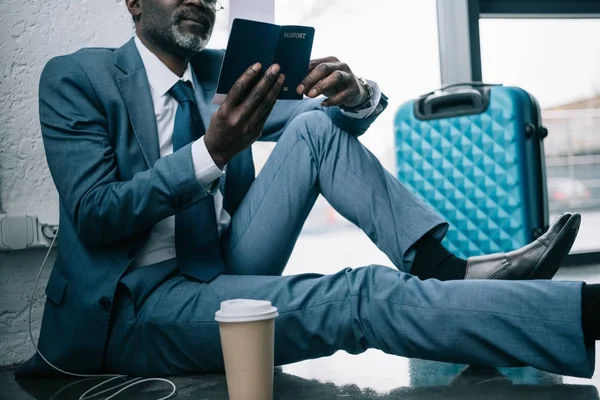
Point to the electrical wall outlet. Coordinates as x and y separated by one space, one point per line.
21 232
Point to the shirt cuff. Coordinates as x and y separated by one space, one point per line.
206 171
368 109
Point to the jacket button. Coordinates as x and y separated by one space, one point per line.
104 303
177 203
132 253
185 199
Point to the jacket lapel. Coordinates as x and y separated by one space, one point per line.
206 70
135 90
203 99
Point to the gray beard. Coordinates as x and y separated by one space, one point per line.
188 42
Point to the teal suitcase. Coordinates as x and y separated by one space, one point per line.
475 153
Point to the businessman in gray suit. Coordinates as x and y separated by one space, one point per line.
162 218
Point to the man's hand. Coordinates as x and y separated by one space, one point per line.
334 79
240 119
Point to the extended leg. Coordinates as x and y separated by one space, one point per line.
492 323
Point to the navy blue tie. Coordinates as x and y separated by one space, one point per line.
196 233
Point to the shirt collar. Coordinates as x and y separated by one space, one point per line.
160 77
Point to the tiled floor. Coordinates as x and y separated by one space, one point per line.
371 375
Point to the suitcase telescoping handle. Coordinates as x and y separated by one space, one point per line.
466 98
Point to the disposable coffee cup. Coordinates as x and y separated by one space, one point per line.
247 329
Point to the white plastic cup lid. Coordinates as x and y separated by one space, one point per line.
242 310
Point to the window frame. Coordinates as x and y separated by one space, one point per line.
460 46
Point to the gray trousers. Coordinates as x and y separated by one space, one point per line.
169 328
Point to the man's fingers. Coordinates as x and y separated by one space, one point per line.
313 63
320 72
338 99
266 106
263 120
260 90
331 85
261 123
238 91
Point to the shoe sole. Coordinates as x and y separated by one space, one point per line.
554 257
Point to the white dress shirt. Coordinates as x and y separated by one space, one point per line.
160 246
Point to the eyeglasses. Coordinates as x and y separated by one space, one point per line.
214 4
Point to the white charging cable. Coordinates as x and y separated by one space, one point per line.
131 383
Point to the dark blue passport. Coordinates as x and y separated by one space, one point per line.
252 41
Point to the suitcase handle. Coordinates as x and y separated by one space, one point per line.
458 102
473 98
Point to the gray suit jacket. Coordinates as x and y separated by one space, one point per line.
101 144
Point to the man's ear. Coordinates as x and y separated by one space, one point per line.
134 8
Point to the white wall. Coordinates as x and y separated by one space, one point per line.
31 33
17 276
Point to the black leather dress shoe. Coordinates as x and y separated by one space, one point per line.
539 259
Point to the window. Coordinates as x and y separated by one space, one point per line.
392 42
557 60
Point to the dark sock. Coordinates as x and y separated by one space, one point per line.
434 261
590 312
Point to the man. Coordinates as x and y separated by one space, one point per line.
162 219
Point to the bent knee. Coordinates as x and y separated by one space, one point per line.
311 125
312 122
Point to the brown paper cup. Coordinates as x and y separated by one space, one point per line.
247 329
